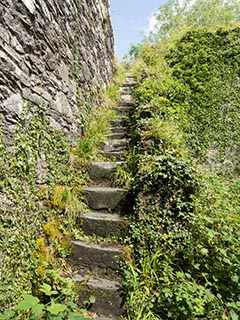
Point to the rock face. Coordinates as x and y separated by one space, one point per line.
53 52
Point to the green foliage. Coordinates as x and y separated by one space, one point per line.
185 222
70 200
31 308
97 126
124 174
175 17
89 146
30 262
41 199
163 188
111 94
207 119
184 235
205 59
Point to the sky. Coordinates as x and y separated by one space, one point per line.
131 19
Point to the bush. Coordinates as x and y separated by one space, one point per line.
185 219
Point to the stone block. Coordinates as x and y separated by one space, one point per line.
109 300
95 255
104 197
101 169
104 224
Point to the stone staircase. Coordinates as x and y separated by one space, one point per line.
96 265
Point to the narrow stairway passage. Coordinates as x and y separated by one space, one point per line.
97 264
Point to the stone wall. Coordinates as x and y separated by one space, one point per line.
56 52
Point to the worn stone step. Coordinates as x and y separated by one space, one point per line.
102 169
126 99
105 318
118 130
119 122
115 155
115 145
123 109
109 298
105 197
124 89
129 75
129 85
104 224
94 255
114 136
129 80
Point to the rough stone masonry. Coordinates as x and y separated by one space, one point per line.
53 52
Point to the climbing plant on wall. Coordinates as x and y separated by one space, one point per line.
34 227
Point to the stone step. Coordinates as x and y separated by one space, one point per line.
104 224
124 89
126 104
123 110
98 262
129 80
128 85
119 122
130 76
92 255
105 318
115 145
115 136
109 300
126 99
118 130
105 198
117 155
101 169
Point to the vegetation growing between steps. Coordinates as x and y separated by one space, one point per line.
41 200
35 227
185 183
88 147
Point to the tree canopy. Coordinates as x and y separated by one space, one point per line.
178 15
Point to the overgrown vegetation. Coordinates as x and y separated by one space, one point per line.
185 183
89 147
182 170
35 230
41 200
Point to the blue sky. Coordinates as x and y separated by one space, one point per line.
130 18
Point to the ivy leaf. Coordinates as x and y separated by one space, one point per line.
28 302
55 308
